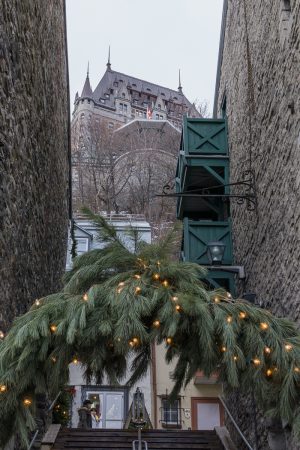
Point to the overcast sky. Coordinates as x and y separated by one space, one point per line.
150 39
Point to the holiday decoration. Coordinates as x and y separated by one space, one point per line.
114 305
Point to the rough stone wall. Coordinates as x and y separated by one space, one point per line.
34 167
267 244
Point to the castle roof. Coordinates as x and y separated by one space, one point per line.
140 93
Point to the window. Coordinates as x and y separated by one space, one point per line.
159 106
121 107
148 89
115 84
157 116
82 245
135 101
125 108
145 115
102 100
161 117
106 95
123 95
111 91
170 413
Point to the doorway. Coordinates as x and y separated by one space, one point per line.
110 406
207 413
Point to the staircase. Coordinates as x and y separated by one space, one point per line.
79 439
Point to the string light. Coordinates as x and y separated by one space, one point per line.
138 290
229 319
235 358
27 401
228 295
53 359
169 340
178 308
174 299
296 369
165 283
269 372
85 297
122 284
256 361
267 350
156 323
288 347
37 302
119 290
264 326
223 349
242 315
216 300
2 335
3 388
131 343
53 328
156 276
75 361
135 340
158 263
137 276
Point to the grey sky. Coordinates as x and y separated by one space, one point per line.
149 39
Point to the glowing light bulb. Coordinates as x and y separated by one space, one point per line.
137 276
288 347
156 276
256 361
37 302
156 323
3 388
267 350
75 361
169 340
122 284
174 299
223 349
27 401
228 295
229 319
216 300
264 326
53 359
269 372
242 315
135 340
2 335
131 343
138 290
165 283
85 297
119 290
297 369
235 358
178 308
53 328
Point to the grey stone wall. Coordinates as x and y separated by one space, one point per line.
34 167
268 244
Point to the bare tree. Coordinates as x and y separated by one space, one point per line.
202 106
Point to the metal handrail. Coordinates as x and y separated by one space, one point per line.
47 412
234 423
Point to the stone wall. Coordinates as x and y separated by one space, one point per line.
34 164
261 86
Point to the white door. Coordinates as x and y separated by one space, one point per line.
109 406
208 416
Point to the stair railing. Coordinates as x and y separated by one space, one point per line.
47 412
234 423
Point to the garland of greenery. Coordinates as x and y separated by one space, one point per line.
116 303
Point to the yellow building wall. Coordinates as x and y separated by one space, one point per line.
164 385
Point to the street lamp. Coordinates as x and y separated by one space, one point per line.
215 252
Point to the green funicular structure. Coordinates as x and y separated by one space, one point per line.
202 182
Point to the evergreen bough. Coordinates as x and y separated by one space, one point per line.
117 303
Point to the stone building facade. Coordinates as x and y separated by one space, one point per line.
258 89
34 152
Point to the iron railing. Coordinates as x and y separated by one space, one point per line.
164 413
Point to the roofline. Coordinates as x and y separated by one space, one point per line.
146 120
82 229
149 82
220 57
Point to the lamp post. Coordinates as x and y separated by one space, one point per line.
139 416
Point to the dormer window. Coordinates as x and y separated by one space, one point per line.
133 85
148 89
159 106
162 94
175 98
